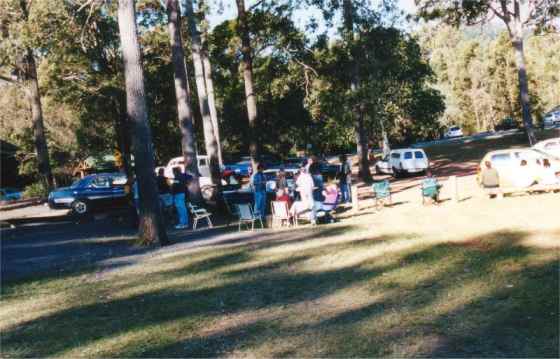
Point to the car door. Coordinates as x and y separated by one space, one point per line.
408 161
420 160
99 193
120 197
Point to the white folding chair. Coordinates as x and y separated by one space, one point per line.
246 215
280 212
198 214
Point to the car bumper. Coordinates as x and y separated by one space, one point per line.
60 203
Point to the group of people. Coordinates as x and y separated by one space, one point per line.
311 194
527 177
173 193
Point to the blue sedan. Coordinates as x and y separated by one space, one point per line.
93 192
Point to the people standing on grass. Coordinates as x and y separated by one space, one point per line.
490 179
344 176
178 190
258 184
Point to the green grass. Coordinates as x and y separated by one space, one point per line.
328 291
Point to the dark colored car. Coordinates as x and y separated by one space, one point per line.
507 123
91 193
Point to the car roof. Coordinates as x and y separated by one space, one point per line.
407 149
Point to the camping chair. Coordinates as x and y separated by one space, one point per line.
382 192
246 215
430 189
198 214
280 212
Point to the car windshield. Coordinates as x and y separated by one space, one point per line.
454 128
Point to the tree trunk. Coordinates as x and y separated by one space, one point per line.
208 128
517 42
247 68
182 94
210 84
357 112
151 227
34 97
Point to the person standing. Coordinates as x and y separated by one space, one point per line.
304 186
178 189
317 190
490 180
258 184
281 180
165 197
345 179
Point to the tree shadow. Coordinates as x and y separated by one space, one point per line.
492 323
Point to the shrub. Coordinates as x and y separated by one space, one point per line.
37 189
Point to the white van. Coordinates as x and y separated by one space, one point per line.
402 161
203 168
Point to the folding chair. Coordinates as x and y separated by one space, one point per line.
246 215
280 212
382 191
430 189
198 214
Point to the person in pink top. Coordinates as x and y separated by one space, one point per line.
331 195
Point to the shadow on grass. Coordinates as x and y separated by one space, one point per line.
512 318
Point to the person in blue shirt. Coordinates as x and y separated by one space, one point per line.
258 184
178 189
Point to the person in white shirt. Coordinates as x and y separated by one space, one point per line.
304 185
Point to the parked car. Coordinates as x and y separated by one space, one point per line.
550 147
403 161
9 194
91 193
505 124
551 119
241 168
452 132
508 164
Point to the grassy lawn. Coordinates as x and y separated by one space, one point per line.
337 290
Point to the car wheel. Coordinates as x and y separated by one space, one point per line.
80 207
377 170
396 173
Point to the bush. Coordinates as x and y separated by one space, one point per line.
37 189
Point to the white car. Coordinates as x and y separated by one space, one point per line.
203 168
551 119
403 161
550 147
454 131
